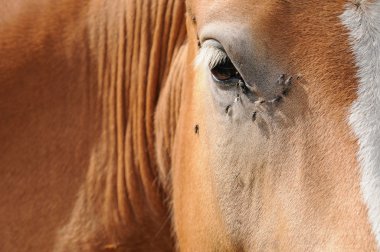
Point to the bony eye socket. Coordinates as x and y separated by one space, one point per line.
225 72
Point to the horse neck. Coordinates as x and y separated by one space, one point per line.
130 46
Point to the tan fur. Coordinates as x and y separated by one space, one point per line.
79 86
298 175
110 140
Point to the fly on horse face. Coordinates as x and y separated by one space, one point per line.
198 125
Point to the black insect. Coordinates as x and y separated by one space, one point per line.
196 129
260 101
198 40
227 109
254 114
285 84
243 87
238 98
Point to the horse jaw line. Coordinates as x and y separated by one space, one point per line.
363 22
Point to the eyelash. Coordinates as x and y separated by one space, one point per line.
210 57
217 62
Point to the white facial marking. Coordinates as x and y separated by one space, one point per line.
363 21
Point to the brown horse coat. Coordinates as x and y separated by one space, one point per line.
111 139
79 84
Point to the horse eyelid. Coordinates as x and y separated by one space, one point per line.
209 56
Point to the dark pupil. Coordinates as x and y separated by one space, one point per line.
224 71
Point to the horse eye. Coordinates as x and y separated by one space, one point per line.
224 71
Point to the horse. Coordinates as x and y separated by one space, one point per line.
189 125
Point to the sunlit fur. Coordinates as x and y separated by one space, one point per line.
79 85
111 141
133 60
290 183
363 22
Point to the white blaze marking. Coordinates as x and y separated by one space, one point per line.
363 22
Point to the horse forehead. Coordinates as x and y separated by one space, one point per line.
230 11
265 14
270 29
275 23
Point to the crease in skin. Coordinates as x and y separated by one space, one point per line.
122 202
